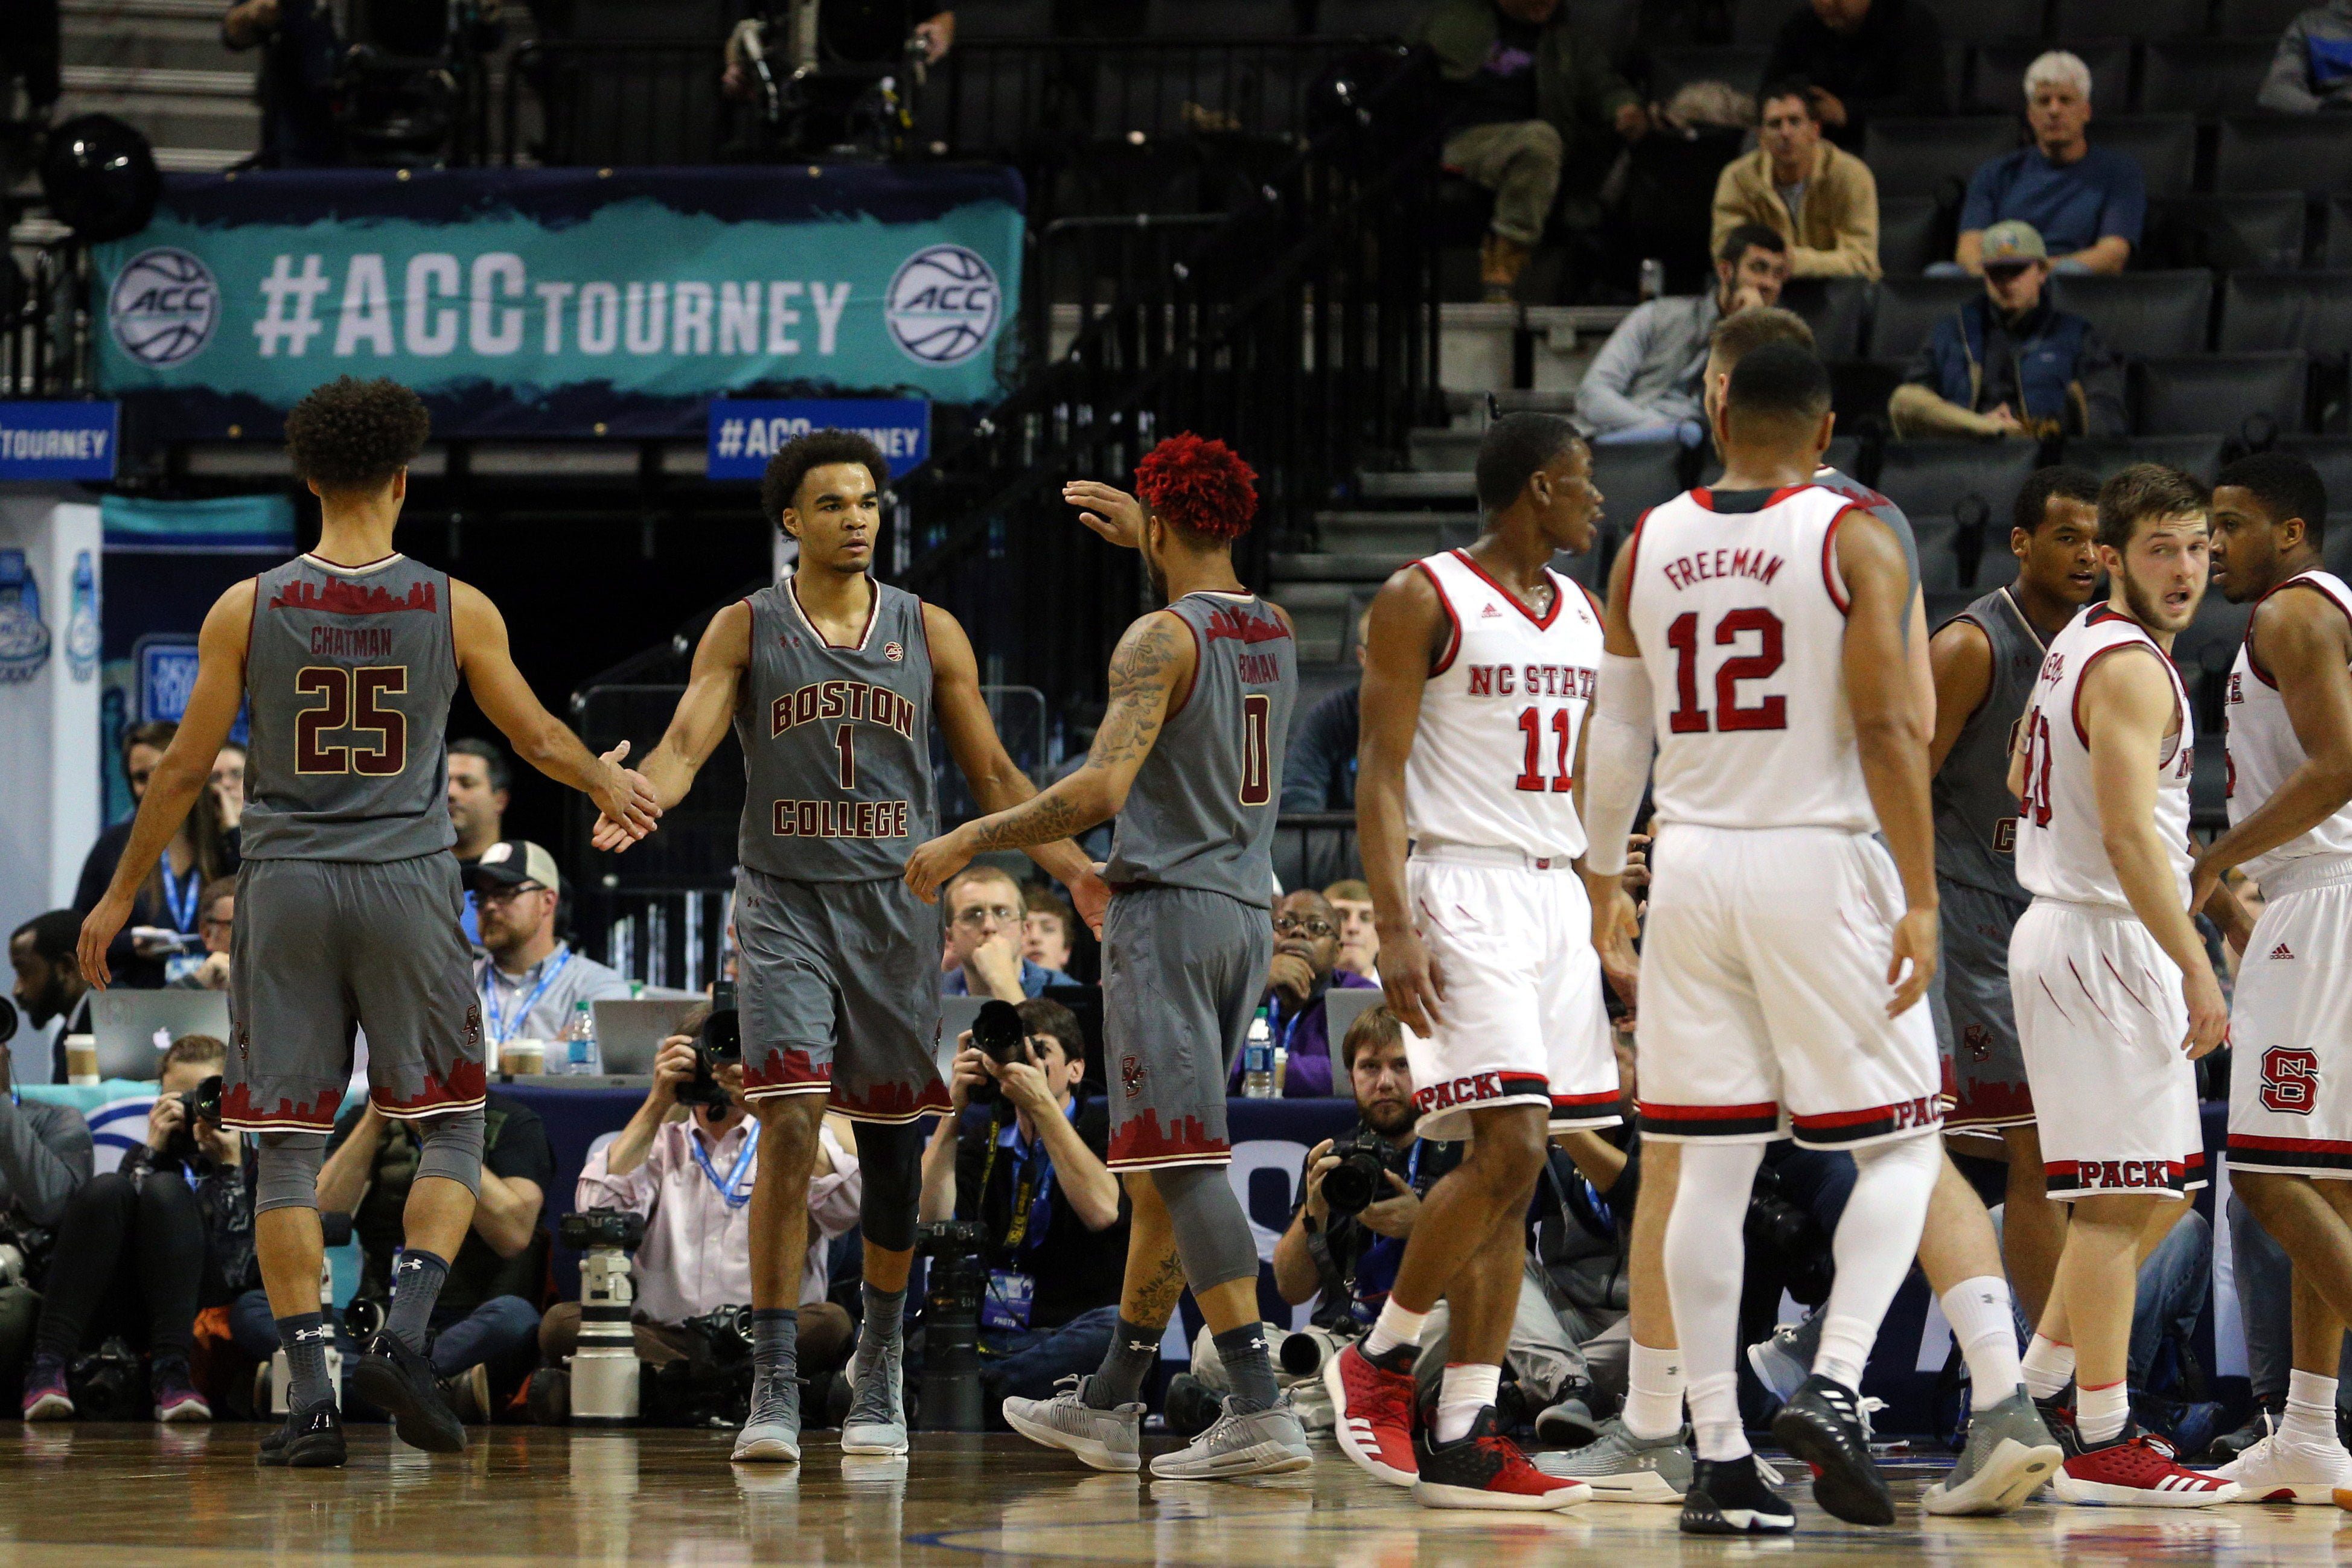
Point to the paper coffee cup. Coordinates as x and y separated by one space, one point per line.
81 1058
523 1056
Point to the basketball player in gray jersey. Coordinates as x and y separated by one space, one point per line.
347 903
831 681
1189 760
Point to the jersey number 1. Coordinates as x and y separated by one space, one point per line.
1257 749
2036 803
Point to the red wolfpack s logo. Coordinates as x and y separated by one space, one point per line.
1245 629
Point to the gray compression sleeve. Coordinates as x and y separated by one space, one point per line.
451 1146
286 1170
1212 1235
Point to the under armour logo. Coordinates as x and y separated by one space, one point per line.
303 1336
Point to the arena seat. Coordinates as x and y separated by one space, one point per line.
1005 18
1910 234
1201 20
1907 309
2221 392
1989 22
2163 145
2284 152
1678 66
1933 157
2258 229
2309 312
1932 478
2135 19
1997 82
2202 76
2142 313
1758 22
2106 457
1834 307
2264 19
1633 477
2337 250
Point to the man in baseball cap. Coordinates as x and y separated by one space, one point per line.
2011 363
530 982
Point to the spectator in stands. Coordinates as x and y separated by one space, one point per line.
486 1323
45 1155
1049 929
229 783
215 925
1305 967
203 848
2087 203
690 1176
2011 363
1359 940
1523 89
530 983
986 918
2313 68
1645 383
143 1249
49 987
1320 772
296 86
479 781
1821 199
1862 58
1032 1173
29 52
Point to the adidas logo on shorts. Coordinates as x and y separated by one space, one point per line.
2281 951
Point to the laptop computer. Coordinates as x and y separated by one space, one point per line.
133 1028
956 1014
630 1030
1341 1009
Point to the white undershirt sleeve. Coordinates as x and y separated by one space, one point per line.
1616 761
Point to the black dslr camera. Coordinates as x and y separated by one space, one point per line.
997 1033
720 1043
602 1227
1357 1181
202 1103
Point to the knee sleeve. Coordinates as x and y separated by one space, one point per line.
451 1148
890 1168
1213 1240
286 1171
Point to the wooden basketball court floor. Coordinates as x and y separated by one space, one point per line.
93 1496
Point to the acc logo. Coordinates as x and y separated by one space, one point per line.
164 306
893 651
944 305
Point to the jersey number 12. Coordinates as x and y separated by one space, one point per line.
1689 718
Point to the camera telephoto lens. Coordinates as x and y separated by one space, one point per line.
996 1034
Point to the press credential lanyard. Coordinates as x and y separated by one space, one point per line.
727 1188
499 1034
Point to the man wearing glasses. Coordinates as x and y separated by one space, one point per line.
215 919
531 982
1305 966
983 957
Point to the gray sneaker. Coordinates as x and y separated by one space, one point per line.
772 1435
1109 1439
1782 1362
877 1421
2009 1454
1620 1468
1268 1442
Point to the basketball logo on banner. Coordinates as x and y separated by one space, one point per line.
944 305
164 306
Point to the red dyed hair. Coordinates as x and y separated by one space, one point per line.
1200 487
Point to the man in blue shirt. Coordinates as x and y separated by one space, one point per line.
1304 969
2087 203
985 909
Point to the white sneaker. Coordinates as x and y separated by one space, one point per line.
2279 1470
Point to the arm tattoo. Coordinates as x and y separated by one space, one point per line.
1155 1301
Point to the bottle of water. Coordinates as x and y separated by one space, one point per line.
580 1055
81 623
1258 1059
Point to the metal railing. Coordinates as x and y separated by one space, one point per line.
44 324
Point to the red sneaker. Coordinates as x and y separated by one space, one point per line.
2140 1471
1484 1469
1373 1406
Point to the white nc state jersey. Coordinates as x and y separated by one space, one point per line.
2262 746
1492 761
2061 853
1735 600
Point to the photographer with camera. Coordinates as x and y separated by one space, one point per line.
1029 1170
45 1155
685 1164
143 1249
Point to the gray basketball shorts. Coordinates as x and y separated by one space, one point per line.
322 947
839 984
1183 971
1976 1018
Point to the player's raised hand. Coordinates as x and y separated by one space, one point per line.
1109 510
97 933
1916 944
2209 1015
928 868
1409 975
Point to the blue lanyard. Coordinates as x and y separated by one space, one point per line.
181 898
499 1034
727 1189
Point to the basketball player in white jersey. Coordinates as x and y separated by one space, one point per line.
2289 732
2113 995
1756 632
1478 668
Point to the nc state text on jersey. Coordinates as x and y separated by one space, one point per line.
853 700
1531 681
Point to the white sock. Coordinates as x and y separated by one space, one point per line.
1883 1215
2048 1366
1653 1393
2100 1413
1394 1327
1466 1388
1980 1314
1715 1417
2310 1411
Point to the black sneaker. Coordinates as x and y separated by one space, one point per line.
2263 1420
311 1439
1821 1425
1191 1407
1727 1496
399 1381
2058 1415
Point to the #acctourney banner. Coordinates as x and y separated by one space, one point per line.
562 301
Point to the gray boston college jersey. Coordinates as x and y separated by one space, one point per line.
349 673
837 741
1884 510
1201 812
1976 816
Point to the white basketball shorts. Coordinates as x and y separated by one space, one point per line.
1524 1023
2290 1028
1764 993
2101 1020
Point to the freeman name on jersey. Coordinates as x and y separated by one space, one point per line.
852 700
1705 566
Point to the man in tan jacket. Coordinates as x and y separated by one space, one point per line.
1821 199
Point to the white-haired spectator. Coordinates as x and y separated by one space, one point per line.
2087 203
2313 68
